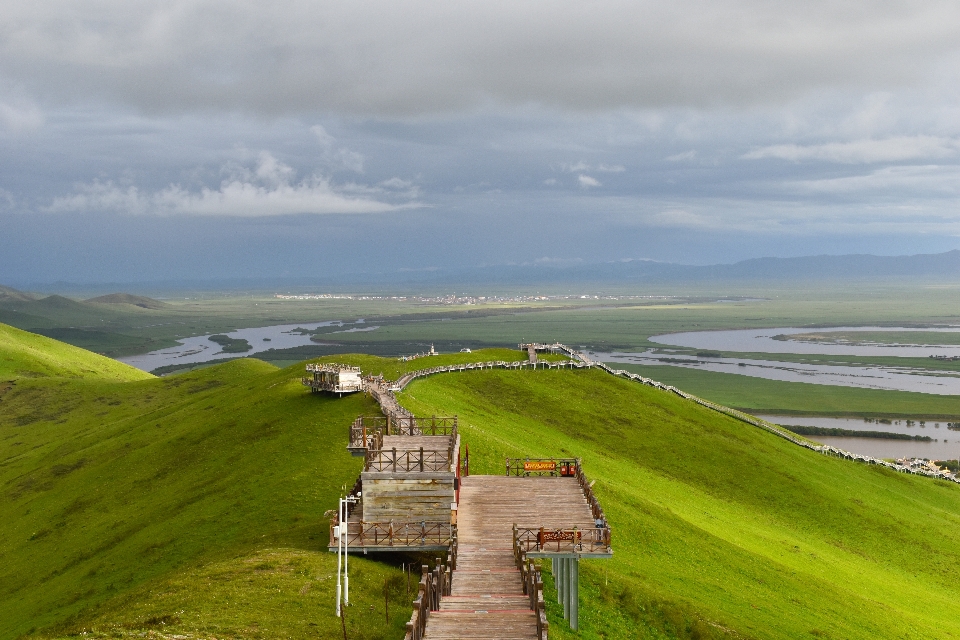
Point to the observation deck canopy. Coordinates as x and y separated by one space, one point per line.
333 378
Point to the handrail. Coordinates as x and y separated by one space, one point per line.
532 582
564 467
542 466
573 538
415 460
433 586
395 534
403 425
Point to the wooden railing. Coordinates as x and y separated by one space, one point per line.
422 460
583 538
596 510
433 586
532 585
523 467
396 534
565 467
363 428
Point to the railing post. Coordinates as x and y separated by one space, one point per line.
394 459
421 459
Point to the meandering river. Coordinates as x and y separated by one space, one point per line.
200 349
761 341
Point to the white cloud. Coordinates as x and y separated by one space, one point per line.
268 190
894 149
587 182
928 181
338 157
20 117
580 166
550 182
680 157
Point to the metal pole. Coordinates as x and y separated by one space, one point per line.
339 541
555 569
575 593
346 554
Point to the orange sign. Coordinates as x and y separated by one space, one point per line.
540 465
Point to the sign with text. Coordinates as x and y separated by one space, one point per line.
540 465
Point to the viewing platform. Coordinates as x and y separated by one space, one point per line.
406 496
415 494
333 378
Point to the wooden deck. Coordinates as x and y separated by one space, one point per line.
487 600
414 443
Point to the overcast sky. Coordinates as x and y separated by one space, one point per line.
202 139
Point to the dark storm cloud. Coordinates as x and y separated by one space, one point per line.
413 57
164 139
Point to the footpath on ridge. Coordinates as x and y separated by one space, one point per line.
416 494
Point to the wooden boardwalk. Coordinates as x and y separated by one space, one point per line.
487 599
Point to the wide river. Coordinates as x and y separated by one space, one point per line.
944 446
761 341
202 349
891 378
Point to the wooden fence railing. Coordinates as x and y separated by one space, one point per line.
363 428
532 585
433 586
523 467
416 460
583 538
395 534
599 518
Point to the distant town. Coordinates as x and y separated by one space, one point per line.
463 300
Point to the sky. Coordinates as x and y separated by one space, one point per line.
203 140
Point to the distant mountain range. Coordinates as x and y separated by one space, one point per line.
834 268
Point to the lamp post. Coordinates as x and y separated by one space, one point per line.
343 547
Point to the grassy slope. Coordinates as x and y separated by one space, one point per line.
718 525
774 396
27 354
194 503
191 503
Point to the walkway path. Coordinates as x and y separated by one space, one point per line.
487 599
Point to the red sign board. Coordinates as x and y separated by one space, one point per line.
540 465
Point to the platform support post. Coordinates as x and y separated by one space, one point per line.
574 593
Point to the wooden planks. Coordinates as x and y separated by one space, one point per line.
407 497
487 599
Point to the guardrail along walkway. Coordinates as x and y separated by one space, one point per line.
487 598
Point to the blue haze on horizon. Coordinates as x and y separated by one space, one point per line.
205 140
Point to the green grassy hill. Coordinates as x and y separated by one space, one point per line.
193 505
125 298
720 529
194 501
24 354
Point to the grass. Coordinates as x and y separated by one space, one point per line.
24 354
136 503
148 504
757 395
193 505
720 529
